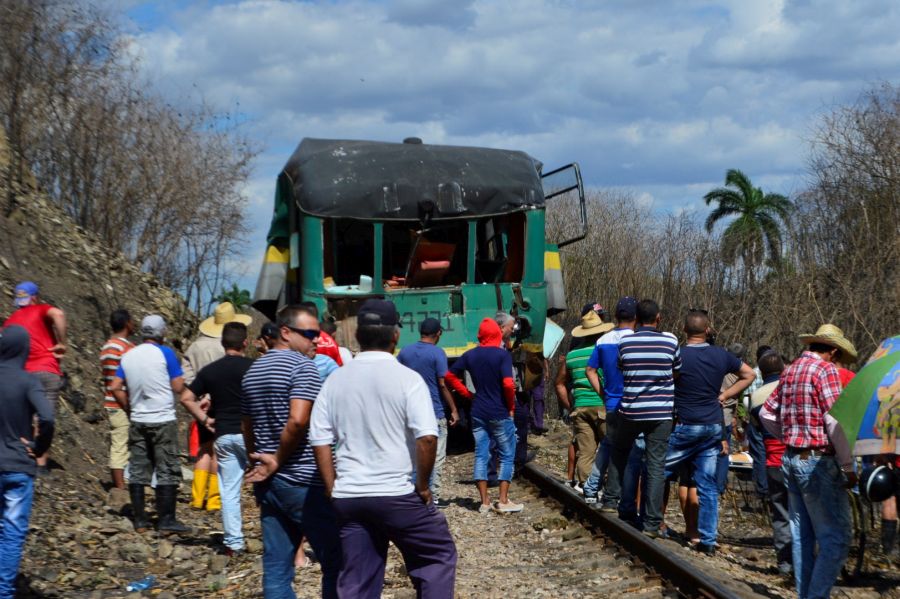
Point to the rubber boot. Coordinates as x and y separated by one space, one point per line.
198 488
139 514
165 508
888 536
214 500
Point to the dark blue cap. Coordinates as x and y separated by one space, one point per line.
430 326
626 308
378 312
600 310
270 330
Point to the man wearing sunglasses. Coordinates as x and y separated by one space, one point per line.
279 391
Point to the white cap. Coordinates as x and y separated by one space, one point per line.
153 326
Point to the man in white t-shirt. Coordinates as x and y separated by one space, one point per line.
378 415
152 372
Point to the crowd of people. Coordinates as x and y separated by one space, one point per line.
648 411
345 452
340 450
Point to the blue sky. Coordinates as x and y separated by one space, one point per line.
656 97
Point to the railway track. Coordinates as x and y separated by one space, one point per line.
599 554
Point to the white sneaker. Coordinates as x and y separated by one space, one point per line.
508 508
484 509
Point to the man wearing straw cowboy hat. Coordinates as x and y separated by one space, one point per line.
817 465
586 405
206 349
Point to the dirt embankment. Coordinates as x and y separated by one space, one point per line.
76 273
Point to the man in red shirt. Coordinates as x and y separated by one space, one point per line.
46 326
817 466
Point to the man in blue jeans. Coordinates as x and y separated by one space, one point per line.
698 437
221 381
817 463
21 397
278 394
493 407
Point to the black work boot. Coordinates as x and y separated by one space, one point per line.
888 535
139 515
165 508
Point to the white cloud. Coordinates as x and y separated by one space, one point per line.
659 97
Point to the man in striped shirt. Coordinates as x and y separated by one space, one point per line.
279 391
110 355
649 360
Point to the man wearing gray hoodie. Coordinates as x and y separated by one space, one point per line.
21 397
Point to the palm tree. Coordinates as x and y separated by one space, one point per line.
757 229
239 298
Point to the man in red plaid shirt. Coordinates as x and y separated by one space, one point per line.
817 464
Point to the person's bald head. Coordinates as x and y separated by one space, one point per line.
696 324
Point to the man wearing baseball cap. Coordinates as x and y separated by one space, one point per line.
46 327
152 373
268 336
430 361
648 360
378 414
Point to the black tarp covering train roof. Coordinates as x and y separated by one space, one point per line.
402 181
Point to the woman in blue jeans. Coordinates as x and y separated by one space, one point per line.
493 406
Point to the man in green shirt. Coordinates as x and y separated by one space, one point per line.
585 405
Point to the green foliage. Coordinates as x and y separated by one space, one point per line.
756 232
741 412
240 298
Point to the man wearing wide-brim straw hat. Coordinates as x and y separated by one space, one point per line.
585 405
830 335
818 468
205 349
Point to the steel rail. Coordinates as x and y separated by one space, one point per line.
689 580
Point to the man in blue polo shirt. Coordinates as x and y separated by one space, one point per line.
605 359
699 436
430 361
648 360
